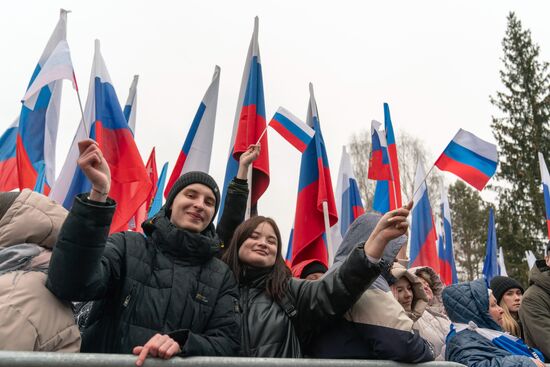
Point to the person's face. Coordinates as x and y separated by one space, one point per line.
314 276
260 249
512 299
427 288
193 207
495 310
403 293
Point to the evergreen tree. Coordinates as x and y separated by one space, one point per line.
469 216
521 132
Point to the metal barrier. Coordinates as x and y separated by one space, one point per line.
44 359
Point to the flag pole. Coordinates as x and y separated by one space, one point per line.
392 177
262 135
327 233
82 111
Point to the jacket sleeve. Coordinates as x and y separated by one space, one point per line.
535 321
398 345
86 262
222 334
322 301
234 210
476 351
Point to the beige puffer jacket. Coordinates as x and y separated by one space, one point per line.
32 318
433 325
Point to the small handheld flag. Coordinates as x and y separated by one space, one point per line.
470 158
294 130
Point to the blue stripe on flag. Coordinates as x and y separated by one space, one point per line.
381 201
255 88
421 225
193 129
292 128
8 143
463 155
546 199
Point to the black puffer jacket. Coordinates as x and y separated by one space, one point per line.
267 329
168 282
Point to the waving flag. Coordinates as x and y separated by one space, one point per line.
314 189
142 212
40 179
531 259
448 254
470 158
501 265
490 264
379 161
197 148
8 162
387 195
294 130
545 179
423 236
130 183
39 118
443 265
157 200
131 105
248 126
348 200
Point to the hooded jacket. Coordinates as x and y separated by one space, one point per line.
169 282
534 312
31 317
469 302
376 326
433 325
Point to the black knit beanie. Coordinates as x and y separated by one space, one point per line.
313 267
190 178
500 284
6 199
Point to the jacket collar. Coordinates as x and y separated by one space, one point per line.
189 247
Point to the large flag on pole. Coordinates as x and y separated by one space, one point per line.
197 148
130 183
348 200
39 118
423 236
142 212
387 194
490 264
131 105
531 259
447 235
545 179
250 122
40 179
157 200
379 160
470 158
314 192
8 161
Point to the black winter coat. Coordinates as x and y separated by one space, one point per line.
267 329
169 282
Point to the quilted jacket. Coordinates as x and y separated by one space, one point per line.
467 302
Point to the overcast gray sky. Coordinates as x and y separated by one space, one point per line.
434 62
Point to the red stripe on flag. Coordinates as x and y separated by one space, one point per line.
469 174
291 138
8 176
427 255
176 173
392 152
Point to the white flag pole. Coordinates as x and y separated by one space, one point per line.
327 233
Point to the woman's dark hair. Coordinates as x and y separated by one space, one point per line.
277 280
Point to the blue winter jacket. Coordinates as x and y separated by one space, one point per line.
465 302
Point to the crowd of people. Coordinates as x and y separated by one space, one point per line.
187 288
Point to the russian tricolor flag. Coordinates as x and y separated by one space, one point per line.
423 236
545 179
314 192
131 105
250 122
8 161
157 200
470 158
387 195
446 253
490 264
39 118
294 130
142 212
348 200
197 148
130 183
379 161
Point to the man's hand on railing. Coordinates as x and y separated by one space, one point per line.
160 346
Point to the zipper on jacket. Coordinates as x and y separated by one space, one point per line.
128 297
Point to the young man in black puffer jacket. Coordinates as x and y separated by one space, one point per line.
161 295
